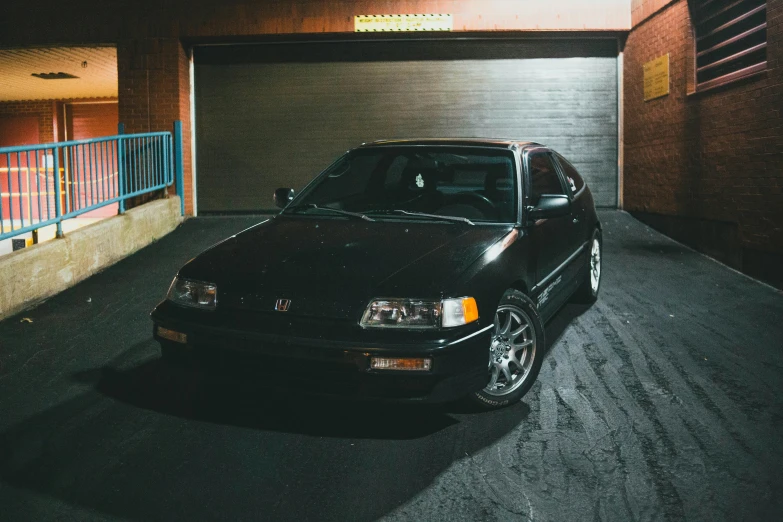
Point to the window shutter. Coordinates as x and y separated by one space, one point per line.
731 40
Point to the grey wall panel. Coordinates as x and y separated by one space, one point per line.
265 125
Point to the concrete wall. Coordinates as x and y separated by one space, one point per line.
41 271
707 168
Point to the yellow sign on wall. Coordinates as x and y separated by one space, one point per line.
656 78
407 22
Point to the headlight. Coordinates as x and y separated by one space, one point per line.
193 293
418 313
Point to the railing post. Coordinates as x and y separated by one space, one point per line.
121 167
58 211
178 167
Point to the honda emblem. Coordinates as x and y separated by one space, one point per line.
282 305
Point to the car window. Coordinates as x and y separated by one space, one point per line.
394 174
470 182
543 176
573 180
347 178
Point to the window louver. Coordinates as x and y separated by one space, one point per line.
731 40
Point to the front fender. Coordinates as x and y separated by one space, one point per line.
494 272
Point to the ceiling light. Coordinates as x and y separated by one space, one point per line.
55 76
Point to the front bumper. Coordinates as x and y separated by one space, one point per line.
334 365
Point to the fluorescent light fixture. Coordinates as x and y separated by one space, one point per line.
55 76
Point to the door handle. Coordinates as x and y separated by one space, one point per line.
576 220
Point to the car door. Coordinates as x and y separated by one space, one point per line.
578 232
551 238
575 186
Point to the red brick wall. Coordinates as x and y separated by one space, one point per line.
18 130
154 91
643 9
43 110
87 21
711 161
183 107
93 120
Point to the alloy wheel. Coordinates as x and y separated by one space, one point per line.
512 350
595 265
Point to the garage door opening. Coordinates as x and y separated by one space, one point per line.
271 115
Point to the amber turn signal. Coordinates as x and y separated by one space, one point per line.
171 335
470 310
385 363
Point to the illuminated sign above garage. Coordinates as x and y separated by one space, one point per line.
407 22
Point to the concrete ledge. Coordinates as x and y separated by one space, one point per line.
33 274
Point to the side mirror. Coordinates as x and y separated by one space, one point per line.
550 206
283 196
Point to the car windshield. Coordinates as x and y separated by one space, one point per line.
474 184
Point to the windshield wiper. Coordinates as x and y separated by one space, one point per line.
422 214
335 210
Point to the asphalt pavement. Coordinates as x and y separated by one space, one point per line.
663 401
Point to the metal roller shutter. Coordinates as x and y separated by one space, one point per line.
275 115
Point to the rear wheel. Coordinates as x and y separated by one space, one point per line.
515 352
591 281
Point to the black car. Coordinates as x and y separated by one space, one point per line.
409 270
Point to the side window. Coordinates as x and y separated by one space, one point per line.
543 176
573 180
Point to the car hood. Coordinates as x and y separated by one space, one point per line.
333 267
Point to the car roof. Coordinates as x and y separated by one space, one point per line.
456 142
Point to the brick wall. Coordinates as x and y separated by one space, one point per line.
93 120
643 9
154 91
707 168
87 21
44 110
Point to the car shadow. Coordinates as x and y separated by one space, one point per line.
145 442
195 395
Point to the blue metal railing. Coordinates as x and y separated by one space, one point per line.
42 185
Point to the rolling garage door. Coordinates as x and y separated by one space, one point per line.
275 115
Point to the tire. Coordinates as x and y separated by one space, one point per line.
587 292
518 327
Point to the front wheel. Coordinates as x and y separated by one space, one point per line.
515 352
